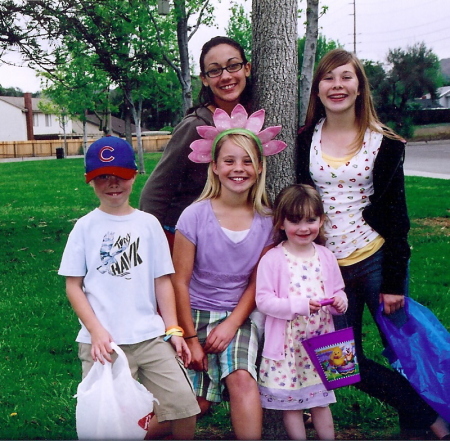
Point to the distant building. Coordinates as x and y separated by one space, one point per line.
444 96
425 102
21 119
93 123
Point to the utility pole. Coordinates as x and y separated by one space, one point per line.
354 27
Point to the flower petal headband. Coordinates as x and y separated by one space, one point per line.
238 122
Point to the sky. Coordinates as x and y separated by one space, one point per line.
380 25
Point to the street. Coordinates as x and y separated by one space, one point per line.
430 159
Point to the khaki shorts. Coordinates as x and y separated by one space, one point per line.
156 365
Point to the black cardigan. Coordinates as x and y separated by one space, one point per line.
387 212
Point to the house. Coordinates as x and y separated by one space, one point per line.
21 119
93 126
444 96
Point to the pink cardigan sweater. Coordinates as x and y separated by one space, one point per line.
272 295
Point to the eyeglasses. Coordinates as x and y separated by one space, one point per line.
231 68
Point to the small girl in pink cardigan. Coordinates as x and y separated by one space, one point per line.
292 280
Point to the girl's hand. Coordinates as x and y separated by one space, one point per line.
314 306
101 345
199 360
181 348
339 304
220 337
392 302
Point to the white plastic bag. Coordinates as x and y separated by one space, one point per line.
111 403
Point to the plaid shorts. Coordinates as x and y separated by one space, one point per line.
241 353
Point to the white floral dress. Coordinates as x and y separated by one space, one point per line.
293 383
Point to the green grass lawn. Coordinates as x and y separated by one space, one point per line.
39 367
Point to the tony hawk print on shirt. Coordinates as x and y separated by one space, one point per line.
118 255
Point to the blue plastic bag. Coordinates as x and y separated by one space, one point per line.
421 345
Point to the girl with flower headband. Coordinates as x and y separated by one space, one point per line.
218 242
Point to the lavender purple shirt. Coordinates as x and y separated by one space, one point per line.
222 268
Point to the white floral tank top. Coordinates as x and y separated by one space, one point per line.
345 193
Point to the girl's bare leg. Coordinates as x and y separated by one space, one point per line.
323 422
245 405
293 422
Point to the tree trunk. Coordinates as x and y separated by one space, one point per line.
182 38
63 125
137 120
136 110
84 135
109 129
127 115
274 72
309 55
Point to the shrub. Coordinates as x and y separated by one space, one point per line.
166 129
403 127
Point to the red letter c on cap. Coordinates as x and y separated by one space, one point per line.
101 153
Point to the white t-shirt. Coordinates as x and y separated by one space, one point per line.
119 258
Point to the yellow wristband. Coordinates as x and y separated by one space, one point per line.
173 330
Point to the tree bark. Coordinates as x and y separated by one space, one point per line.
274 72
275 68
309 55
182 38
136 110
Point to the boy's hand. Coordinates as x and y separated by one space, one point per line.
182 349
314 306
339 304
101 347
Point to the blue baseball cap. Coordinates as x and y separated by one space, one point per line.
110 156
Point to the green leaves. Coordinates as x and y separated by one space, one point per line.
415 72
240 28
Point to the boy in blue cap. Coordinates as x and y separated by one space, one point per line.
117 266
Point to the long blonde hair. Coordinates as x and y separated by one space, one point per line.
257 194
366 115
